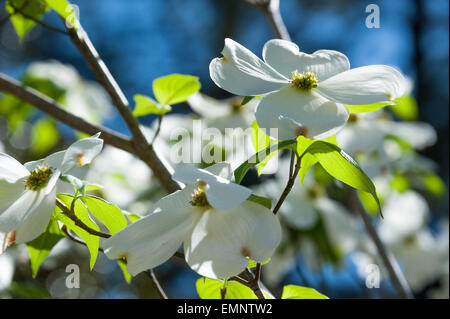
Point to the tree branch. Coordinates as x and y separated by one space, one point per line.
49 106
395 273
271 9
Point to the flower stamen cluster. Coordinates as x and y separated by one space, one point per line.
304 81
199 195
38 178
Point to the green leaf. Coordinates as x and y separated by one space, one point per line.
109 214
263 201
298 292
81 212
252 263
44 136
210 289
242 170
368 202
146 105
342 167
175 88
366 107
261 141
434 184
40 247
123 266
65 10
405 108
246 99
35 9
400 183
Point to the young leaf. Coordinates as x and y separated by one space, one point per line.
405 108
342 167
146 105
40 247
44 136
257 158
35 9
175 88
81 212
246 99
298 292
64 9
263 201
110 215
123 266
252 263
210 289
365 108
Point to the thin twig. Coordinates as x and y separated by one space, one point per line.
395 273
271 9
158 129
289 185
66 211
158 286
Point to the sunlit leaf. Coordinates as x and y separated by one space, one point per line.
175 88
342 167
123 266
146 105
405 108
40 247
34 9
298 292
44 136
365 108
242 170
434 184
210 289
81 212
109 214
263 201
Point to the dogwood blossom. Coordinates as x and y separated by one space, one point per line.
219 228
28 192
304 93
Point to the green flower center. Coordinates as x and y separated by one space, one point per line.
199 195
304 81
38 178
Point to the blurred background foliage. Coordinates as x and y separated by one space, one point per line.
142 40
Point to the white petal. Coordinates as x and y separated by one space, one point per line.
290 108
35 224
9 193
418 134
300 212
365 85
53 161
11 169
243 73
221 240
360 136
284 56
220 193
207 106
222 169
17 213
153 239
81 152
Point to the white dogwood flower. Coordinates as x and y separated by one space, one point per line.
28 192
304 93
219 228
